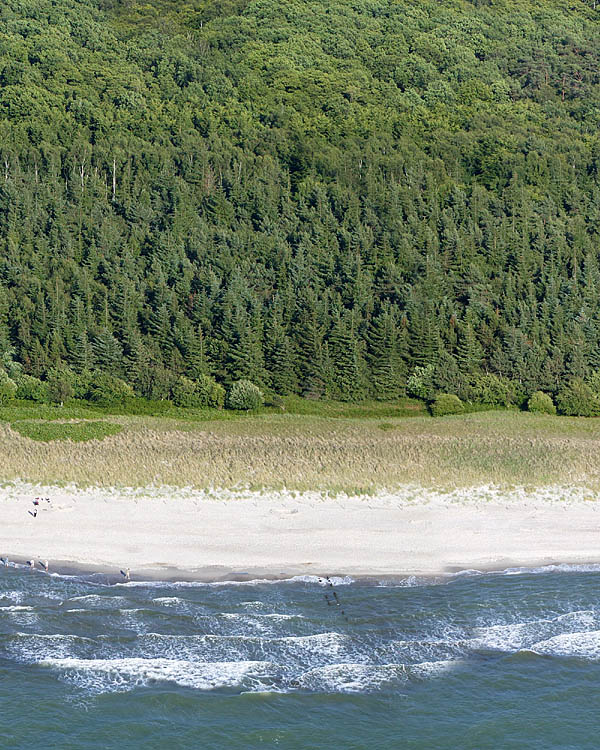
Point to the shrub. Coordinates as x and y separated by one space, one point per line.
184 393
243 394
8 388
32 389
541 403
493 390
59 385
446 403
81 384
578 400
212 392
420 383
108 390
204 392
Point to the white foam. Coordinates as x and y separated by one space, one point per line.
580 645
555 568
110 675
95 600
169 601
319 580
360 678
13 596
30 647
15 608
515 636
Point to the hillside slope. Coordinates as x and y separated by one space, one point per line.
317 195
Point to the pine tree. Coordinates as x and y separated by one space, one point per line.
108 353
350 372
385 355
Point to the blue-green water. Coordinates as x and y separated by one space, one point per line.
473 661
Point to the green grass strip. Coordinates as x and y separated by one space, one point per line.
77 432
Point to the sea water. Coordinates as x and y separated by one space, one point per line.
500 660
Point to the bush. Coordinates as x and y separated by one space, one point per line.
446 403
32 389
493 390
243 394
108 390
8 388
212 392
420 383
59 385
541 403
578 400
204 392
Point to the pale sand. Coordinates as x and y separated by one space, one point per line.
165 533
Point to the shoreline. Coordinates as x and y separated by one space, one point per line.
168 534
216 575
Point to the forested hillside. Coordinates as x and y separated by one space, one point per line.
316 195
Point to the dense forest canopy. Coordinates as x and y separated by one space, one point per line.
317 195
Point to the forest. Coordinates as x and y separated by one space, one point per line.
340 199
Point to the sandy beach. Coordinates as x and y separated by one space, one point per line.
168 533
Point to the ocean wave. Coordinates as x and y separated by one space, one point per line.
319 580
515 636
116 675
364 678
584 645
97 600
16 608
212 647
552 568
31 647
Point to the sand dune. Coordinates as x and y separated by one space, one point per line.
163 532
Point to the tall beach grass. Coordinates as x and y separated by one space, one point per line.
307 452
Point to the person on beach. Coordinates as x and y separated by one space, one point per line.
125 574
31 564
33 513
4 561
44 565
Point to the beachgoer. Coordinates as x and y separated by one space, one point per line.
125 574
4 561
44 565
31 564
36 501
33 513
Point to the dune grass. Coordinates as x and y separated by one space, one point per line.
303 452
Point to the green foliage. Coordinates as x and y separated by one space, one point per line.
365 410
491 389
31 389
577 399
541 403
446 403
74 431
107 390
321 199
59 385
8 388
204 392
420 383
244 395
